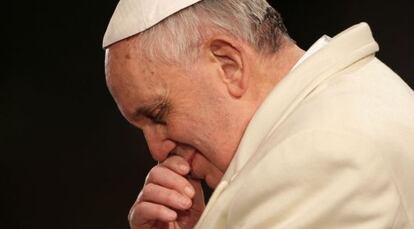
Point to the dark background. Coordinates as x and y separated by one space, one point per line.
67 157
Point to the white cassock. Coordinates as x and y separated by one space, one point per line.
332 146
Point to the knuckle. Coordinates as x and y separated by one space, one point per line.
170 162
153 173
133 212
147 190
158 210
140 197
170 197
170 159
138 214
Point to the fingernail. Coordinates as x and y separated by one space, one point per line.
171 215
184 168
184 202
189 191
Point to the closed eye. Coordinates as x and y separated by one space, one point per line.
157 115
158 119
155 112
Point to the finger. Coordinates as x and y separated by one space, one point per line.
145 212
167 178
198 199
177 164
164 196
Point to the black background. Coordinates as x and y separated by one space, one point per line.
67 157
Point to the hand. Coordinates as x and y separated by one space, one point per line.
168 199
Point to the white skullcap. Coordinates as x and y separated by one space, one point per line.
134 16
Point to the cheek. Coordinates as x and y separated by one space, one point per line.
201 135
186 130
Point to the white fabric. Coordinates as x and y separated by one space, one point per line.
320 43
332 146
134 16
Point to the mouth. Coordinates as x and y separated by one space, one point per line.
191 158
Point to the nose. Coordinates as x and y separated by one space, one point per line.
159 144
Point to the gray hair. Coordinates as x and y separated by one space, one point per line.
177 38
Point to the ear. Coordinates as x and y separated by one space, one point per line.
231 64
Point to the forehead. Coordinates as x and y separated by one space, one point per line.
132 78
124 59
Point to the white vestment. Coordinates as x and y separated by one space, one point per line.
332 146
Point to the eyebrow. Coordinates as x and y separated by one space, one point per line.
145 110
141 111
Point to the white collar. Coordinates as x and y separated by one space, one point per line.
319 44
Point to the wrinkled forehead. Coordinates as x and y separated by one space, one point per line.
124 62
130 77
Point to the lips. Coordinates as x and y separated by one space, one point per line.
191 158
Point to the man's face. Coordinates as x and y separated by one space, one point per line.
184 112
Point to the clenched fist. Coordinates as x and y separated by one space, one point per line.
169 199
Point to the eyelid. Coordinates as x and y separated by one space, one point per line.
157 114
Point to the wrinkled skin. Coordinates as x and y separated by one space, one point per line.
193 118
186 117
190 204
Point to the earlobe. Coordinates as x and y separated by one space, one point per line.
231 63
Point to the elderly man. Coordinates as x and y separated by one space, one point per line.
288 139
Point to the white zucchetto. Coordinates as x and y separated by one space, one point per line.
134 16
